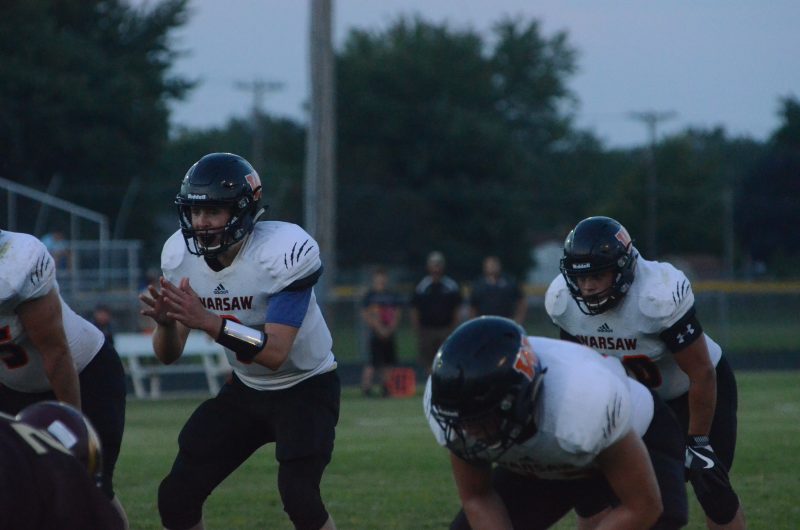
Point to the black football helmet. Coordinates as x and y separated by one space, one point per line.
221 179
599 244
484 381
70 428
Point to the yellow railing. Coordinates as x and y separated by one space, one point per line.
344 292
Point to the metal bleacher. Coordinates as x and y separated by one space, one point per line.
95 268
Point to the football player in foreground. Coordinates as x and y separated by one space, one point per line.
616 302
50 352
537 427
250 286
51 462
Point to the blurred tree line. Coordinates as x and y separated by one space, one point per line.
447 139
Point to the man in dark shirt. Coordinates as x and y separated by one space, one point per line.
434 309
497 294
103 319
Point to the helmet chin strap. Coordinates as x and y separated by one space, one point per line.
595 306
212 259
209 248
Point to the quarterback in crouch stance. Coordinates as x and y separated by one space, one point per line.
616 302
538 426
250 286
51 461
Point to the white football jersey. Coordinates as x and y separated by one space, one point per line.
659 297
27 271
272 257
585 404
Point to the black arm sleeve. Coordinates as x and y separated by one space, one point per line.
307 282
683 332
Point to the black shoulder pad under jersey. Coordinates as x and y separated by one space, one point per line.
305 283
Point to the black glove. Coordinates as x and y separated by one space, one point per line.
699 455
710 480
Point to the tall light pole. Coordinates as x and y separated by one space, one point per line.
320 178
651 119
259 88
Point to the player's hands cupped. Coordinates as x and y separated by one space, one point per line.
184 305
155 306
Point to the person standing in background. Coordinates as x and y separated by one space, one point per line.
103 320
58 247
496 293
381 309
435 306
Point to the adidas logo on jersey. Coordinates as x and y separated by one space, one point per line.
605 329
220 289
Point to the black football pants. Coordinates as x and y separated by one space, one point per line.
226 430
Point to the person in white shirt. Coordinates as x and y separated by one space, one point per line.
611 299
250 286
537 427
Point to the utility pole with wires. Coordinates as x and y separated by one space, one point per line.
320 178
259 89
651 119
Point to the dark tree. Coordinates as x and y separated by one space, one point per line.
447 142
695 169
84 88
768 207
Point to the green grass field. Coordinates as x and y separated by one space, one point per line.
388 473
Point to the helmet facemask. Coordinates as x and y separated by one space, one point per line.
214 241
595 246
490 434
484 386
597 303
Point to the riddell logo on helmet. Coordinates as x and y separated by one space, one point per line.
196 196
581 265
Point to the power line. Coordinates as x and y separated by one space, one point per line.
651 120
259 88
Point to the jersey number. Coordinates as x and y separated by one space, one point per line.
643 369
13 355
40 441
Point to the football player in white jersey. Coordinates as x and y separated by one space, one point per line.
47 351
611 299
537 427
249 286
